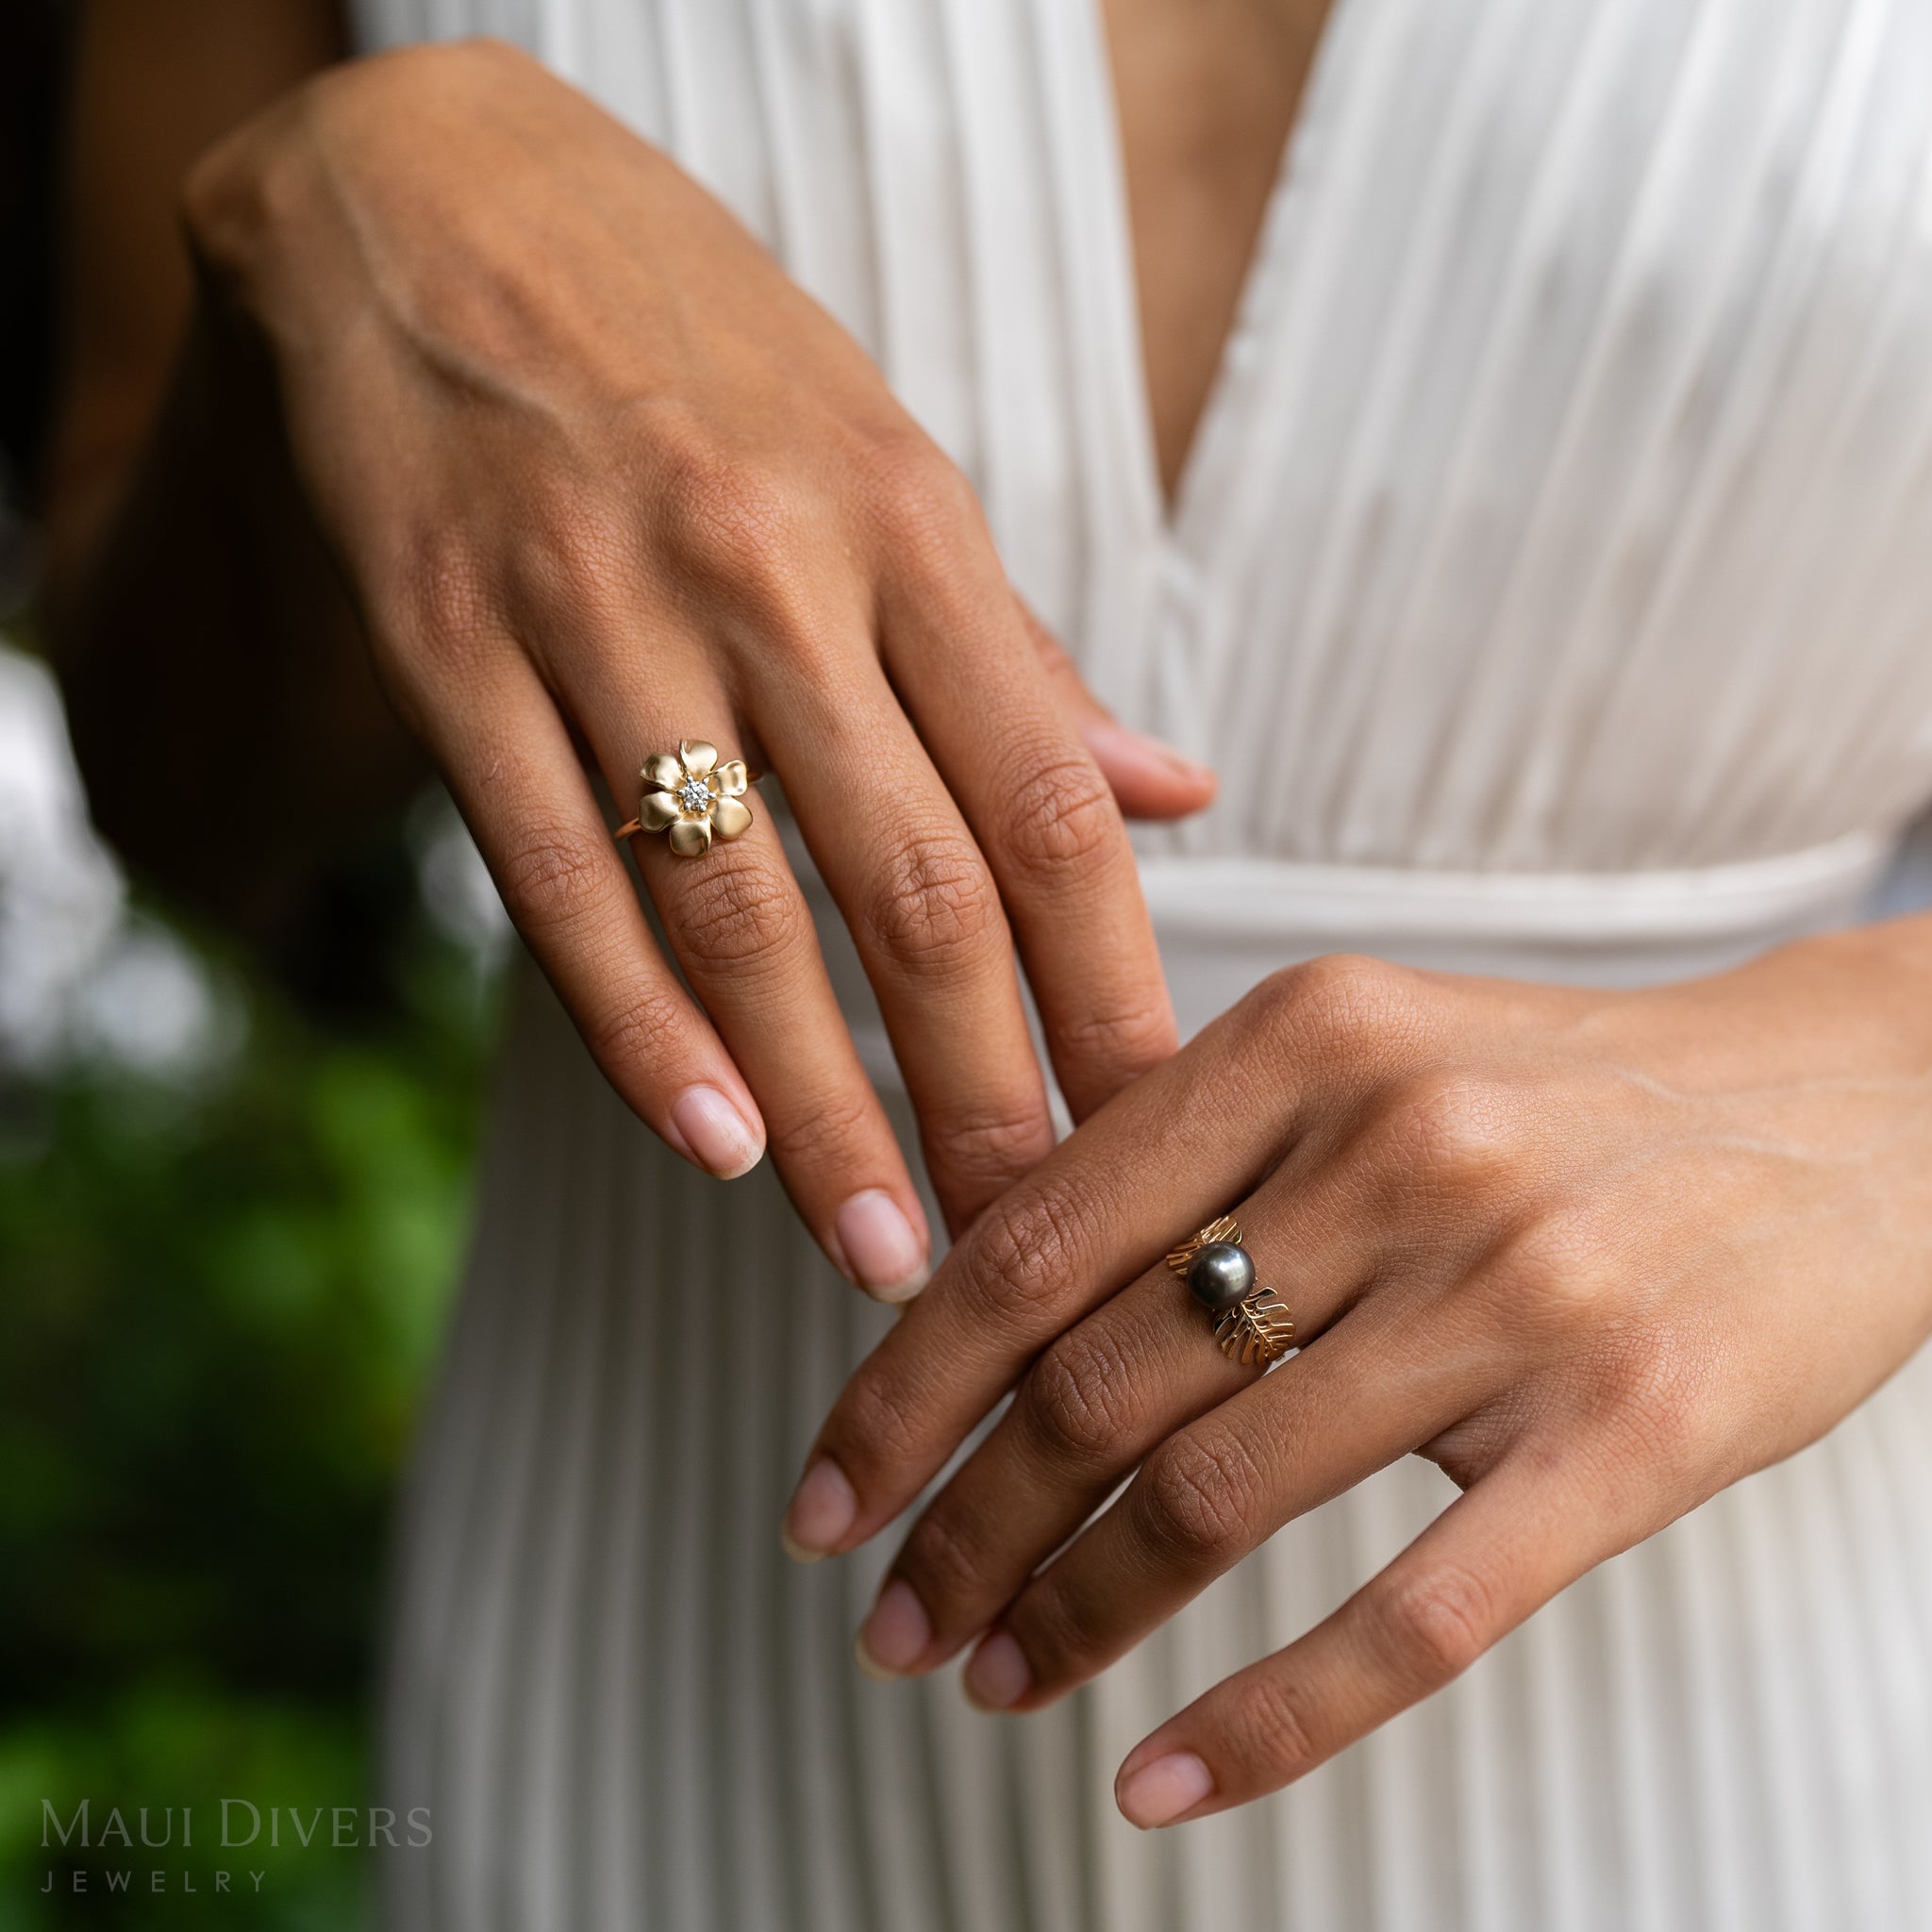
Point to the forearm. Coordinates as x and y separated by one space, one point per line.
222 702
1847 1005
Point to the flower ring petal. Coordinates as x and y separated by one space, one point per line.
691 837
729 817
656 810
732 778
698 757
663 771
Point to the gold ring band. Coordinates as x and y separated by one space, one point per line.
691 795
1251 1322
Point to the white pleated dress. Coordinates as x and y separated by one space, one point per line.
1551 585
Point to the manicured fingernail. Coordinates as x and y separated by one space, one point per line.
883 1252
821 1512
719 1136
895 1635
998 1676
1159 1792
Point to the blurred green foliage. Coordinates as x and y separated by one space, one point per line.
219 1303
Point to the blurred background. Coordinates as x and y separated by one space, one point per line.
233 1192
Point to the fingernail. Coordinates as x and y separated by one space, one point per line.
1161 1791
882 1252
1140 743
895 1635
820 1513
1177 761
998 1676
717 1134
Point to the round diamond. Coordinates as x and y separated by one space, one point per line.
693 795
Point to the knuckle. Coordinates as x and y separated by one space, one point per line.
1333 1005
1077 1401
737 915
1201 1497
440 594
632 1032
1430 1626
1067 1632
727 523
949 1559
935 908
1656 1402
556 882
1024 1251
1276 1724
1456 1128
985 1150
1549 1285
1132 1037
921 501
573 553
1059 816
821 1132
879 1427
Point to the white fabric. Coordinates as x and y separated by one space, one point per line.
1546 586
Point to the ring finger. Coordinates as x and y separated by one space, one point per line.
740 926
1372 1388
1101 1398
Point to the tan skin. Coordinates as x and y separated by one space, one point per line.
1207 92
623 425
1596 1255
225 535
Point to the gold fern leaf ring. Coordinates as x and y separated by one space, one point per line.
1251 1322
691 795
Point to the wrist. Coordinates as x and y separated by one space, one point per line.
1855 1002
249 193
300 200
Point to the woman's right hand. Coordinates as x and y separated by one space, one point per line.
600 478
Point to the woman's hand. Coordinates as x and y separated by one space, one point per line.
602 479
1596 1255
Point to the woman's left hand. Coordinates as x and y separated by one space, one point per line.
1596 1255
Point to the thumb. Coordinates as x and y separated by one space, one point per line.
1150 780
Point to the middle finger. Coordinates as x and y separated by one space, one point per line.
924 915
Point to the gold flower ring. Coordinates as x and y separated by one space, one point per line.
694 798
1251 1322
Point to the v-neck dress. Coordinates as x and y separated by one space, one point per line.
1551 584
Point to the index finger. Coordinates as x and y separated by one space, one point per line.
1103 1207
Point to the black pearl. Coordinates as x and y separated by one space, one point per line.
1220 1275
